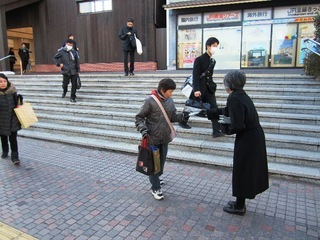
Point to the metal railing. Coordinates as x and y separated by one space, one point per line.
312 46
6 57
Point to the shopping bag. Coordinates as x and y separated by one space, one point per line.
26 115
156 159
139 45
78 82
145 159
187 86
193 105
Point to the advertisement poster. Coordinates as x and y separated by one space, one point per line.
189 47
306 31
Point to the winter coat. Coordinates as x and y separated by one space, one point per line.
250 168
204 83
151 117
8 119
71 65
24 54
128 42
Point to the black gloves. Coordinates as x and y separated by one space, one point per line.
144 132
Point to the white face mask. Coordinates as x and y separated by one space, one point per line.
69 48
213 50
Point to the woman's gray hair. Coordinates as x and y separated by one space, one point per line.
234 80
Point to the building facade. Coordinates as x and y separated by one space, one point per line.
44 25
252 34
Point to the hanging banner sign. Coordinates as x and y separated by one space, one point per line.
297 11
191 19
234 16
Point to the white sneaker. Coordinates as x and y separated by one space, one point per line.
157 194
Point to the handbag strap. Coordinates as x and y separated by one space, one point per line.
164 112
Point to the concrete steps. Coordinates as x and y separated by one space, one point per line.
103 117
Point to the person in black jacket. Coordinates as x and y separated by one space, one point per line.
127 35
24 56
250 167
68 60
203 86
12 59
9 123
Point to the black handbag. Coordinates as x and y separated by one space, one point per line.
145 163
78 82
198 104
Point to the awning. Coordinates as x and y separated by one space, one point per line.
208 3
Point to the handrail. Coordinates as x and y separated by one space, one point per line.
6 57
312 46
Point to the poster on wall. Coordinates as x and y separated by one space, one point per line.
283 45
189 47
306 31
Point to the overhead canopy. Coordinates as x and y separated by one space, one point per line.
207 3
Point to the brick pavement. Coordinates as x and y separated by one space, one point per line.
67 192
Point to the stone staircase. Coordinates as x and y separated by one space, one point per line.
103 117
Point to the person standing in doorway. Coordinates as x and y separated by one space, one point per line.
12 59
67 59
24 56
127 35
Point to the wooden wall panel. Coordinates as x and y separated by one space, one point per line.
96 34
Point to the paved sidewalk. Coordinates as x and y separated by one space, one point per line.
66 192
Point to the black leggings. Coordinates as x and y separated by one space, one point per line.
13 142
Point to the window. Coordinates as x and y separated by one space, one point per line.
95 6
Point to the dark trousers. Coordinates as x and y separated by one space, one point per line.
11 66
154 179
125 61
13 143
210 98
24 64
65 83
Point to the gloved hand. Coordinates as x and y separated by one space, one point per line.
144 132
224 119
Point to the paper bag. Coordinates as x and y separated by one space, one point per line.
26 115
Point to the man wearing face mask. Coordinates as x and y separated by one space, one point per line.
203 86
68 60
127 35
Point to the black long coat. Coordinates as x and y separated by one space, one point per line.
202 74
8 119
250 168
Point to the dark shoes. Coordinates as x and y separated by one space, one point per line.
15 158
131 74
16 161
4 155
217 134
73 100
231 208
63 95
126 74
184 125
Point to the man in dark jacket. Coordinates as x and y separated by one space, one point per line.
67 59
127 35
203 86
250 167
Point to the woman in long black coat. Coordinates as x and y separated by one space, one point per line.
250 168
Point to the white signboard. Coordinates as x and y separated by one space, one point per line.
234 16
297 11
257 14
191 19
